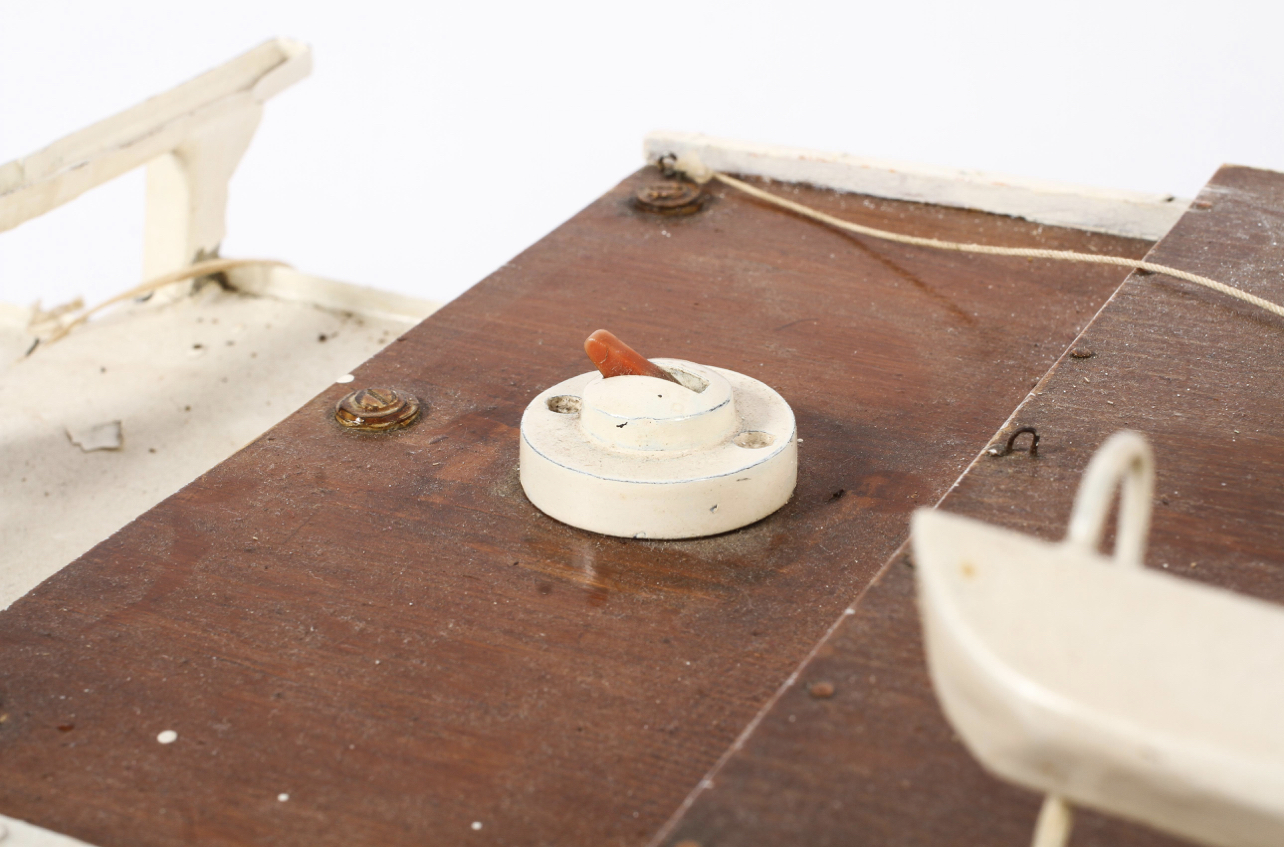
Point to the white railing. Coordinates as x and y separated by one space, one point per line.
191 139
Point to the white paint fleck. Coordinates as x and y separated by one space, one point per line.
169 736
103 436
283 797
345 379
476 824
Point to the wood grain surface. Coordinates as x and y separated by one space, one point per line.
383 631
1202 376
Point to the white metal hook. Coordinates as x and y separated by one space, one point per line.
1125 459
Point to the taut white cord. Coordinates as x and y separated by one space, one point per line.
1026 252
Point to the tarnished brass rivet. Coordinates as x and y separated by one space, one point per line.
377 409
670 198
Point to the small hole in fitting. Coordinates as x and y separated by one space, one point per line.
564 404
754 440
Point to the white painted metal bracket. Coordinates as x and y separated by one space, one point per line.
1128 213
1102 682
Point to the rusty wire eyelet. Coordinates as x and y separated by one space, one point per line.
377 409
1007 448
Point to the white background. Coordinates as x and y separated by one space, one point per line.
434 141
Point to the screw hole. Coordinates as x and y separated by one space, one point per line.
564 404
754 440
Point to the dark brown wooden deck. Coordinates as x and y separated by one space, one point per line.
1203 377
382 628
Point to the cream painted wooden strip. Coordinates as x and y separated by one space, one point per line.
71 166
1132 214
290 285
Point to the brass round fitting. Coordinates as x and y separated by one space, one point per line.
670 198
377 409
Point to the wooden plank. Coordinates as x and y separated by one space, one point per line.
1200 375
384 629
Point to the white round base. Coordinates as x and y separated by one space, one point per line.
680 463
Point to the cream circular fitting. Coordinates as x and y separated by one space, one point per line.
643 457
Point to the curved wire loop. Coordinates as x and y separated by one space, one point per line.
1124 460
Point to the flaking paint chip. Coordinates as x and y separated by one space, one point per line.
103 436
169 736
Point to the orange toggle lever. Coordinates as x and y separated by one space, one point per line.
615 358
